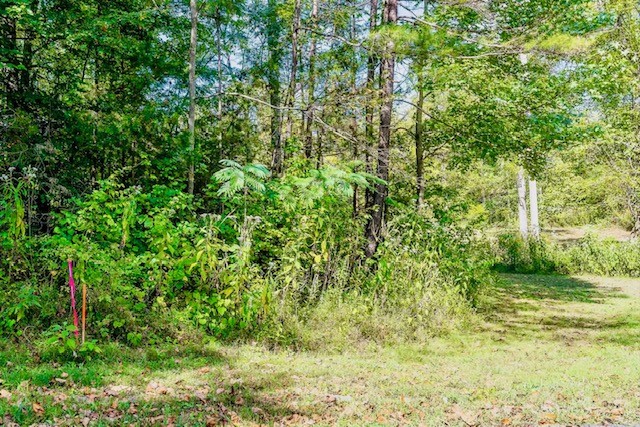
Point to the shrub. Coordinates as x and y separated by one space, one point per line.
590 255
281 260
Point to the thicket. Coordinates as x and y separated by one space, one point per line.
276 259
590 255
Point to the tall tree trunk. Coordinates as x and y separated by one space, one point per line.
219 67
533 208
354 117
387 69
370 97
192 93
419 142
273 30
291 93
419 135
308 140
522 204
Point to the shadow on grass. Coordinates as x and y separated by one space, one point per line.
252 400
552 287
544 307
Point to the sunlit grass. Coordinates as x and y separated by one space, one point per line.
551 350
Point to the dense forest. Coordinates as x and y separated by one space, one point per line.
304 174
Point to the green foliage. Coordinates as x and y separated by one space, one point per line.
61 344
240 179
590 255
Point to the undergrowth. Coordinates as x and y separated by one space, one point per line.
275 260
590 255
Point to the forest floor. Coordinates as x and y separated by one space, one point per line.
549 350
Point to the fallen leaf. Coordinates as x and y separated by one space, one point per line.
37 408
5 394
548 418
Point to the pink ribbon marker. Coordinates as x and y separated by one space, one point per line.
72 285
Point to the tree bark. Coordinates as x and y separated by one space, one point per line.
192 93
219 66
419 142
291 93
273 81
522 204
419 135
387 68
308 140
369 106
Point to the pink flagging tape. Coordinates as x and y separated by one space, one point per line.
72 286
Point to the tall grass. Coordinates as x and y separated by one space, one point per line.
590 255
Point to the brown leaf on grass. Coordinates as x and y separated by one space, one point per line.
548 418
467 417
204 370
5 394
201 394
59 397
37 408
506 421
220 390
213 421
116 390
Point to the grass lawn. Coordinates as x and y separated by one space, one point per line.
547 350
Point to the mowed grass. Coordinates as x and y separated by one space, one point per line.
546 350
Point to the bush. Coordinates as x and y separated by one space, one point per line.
590 255
284 264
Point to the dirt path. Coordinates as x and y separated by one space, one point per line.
552 351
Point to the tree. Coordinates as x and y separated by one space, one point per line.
193 41
377 210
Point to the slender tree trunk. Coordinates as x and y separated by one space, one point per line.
219 49
369 106
419 135
354 117
192 93
295 29
273 81
308 140
522 204
419 142
533 208
387 69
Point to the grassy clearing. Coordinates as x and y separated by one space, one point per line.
547 350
